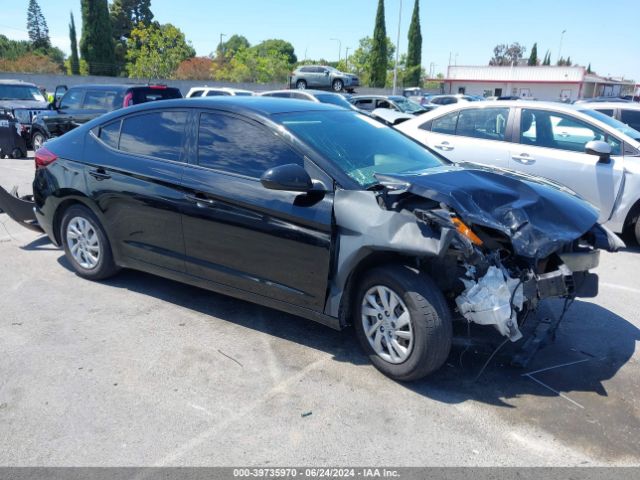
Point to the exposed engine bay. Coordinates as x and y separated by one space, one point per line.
495 245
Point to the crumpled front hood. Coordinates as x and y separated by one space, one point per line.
537 215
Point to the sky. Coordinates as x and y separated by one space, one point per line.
605 34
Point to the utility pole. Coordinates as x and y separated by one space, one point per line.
346 59
339 47
560 47
220 44
395 67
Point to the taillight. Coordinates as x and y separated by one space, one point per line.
128 100
44 157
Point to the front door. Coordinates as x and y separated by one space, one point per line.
552 145
240 234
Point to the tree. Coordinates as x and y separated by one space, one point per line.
504 54
156 51
379 64
564 62
30 63
196 68
414 50
249 65
533 58
278 46
360 60
547 58
37 26
231 46
589 68
125 15
74 61
96 44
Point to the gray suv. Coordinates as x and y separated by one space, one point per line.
318 76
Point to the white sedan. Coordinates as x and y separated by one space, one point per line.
593 154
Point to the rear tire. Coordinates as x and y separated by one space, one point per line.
17 153
636 230
301 85
86 245
402 350
337 85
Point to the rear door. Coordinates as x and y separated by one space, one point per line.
237 233
134 177
477 135
552 145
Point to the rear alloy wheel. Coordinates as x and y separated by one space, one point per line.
86 245
402 321
301 85
37 140
337 85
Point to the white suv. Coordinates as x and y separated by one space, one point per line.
594 155
217 92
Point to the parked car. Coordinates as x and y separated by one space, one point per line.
587 151
317 96
391 102
217 92
24 100
321 76
317 211
602 99
82 103
450 99
628 113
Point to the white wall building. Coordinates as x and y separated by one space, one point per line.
540 82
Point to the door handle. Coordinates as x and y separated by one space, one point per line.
99 174
200 200
444 146
524 158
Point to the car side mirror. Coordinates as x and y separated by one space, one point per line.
599 148
290 177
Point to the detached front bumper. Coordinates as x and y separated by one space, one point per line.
20 209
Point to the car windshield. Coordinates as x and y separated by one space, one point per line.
358 145
20 92
406 105
334 100
613 123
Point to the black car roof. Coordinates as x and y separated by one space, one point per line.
117 86
257 105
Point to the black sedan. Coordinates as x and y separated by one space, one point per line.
317 211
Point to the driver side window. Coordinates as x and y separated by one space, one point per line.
72 99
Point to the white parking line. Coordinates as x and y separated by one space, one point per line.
620 287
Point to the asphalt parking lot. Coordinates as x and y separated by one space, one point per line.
140 370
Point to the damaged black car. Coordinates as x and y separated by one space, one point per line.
316 211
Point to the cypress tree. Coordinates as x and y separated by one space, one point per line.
37 26
96 45
547 58
74 61
378 74
414 50
533 58
589 68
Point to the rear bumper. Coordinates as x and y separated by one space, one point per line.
19 209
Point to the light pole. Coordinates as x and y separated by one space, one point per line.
220 44
560 47
339 47
346 59
395 67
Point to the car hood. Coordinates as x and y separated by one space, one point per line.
538 216
32 104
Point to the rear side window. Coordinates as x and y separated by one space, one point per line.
99 100
232 145
151 94
110 133
486 123
631 118
217 93
445 124
606 111
364 104
157 134
197 93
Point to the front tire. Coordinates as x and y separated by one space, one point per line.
337 85
86 245
402 322
301 85
37 140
